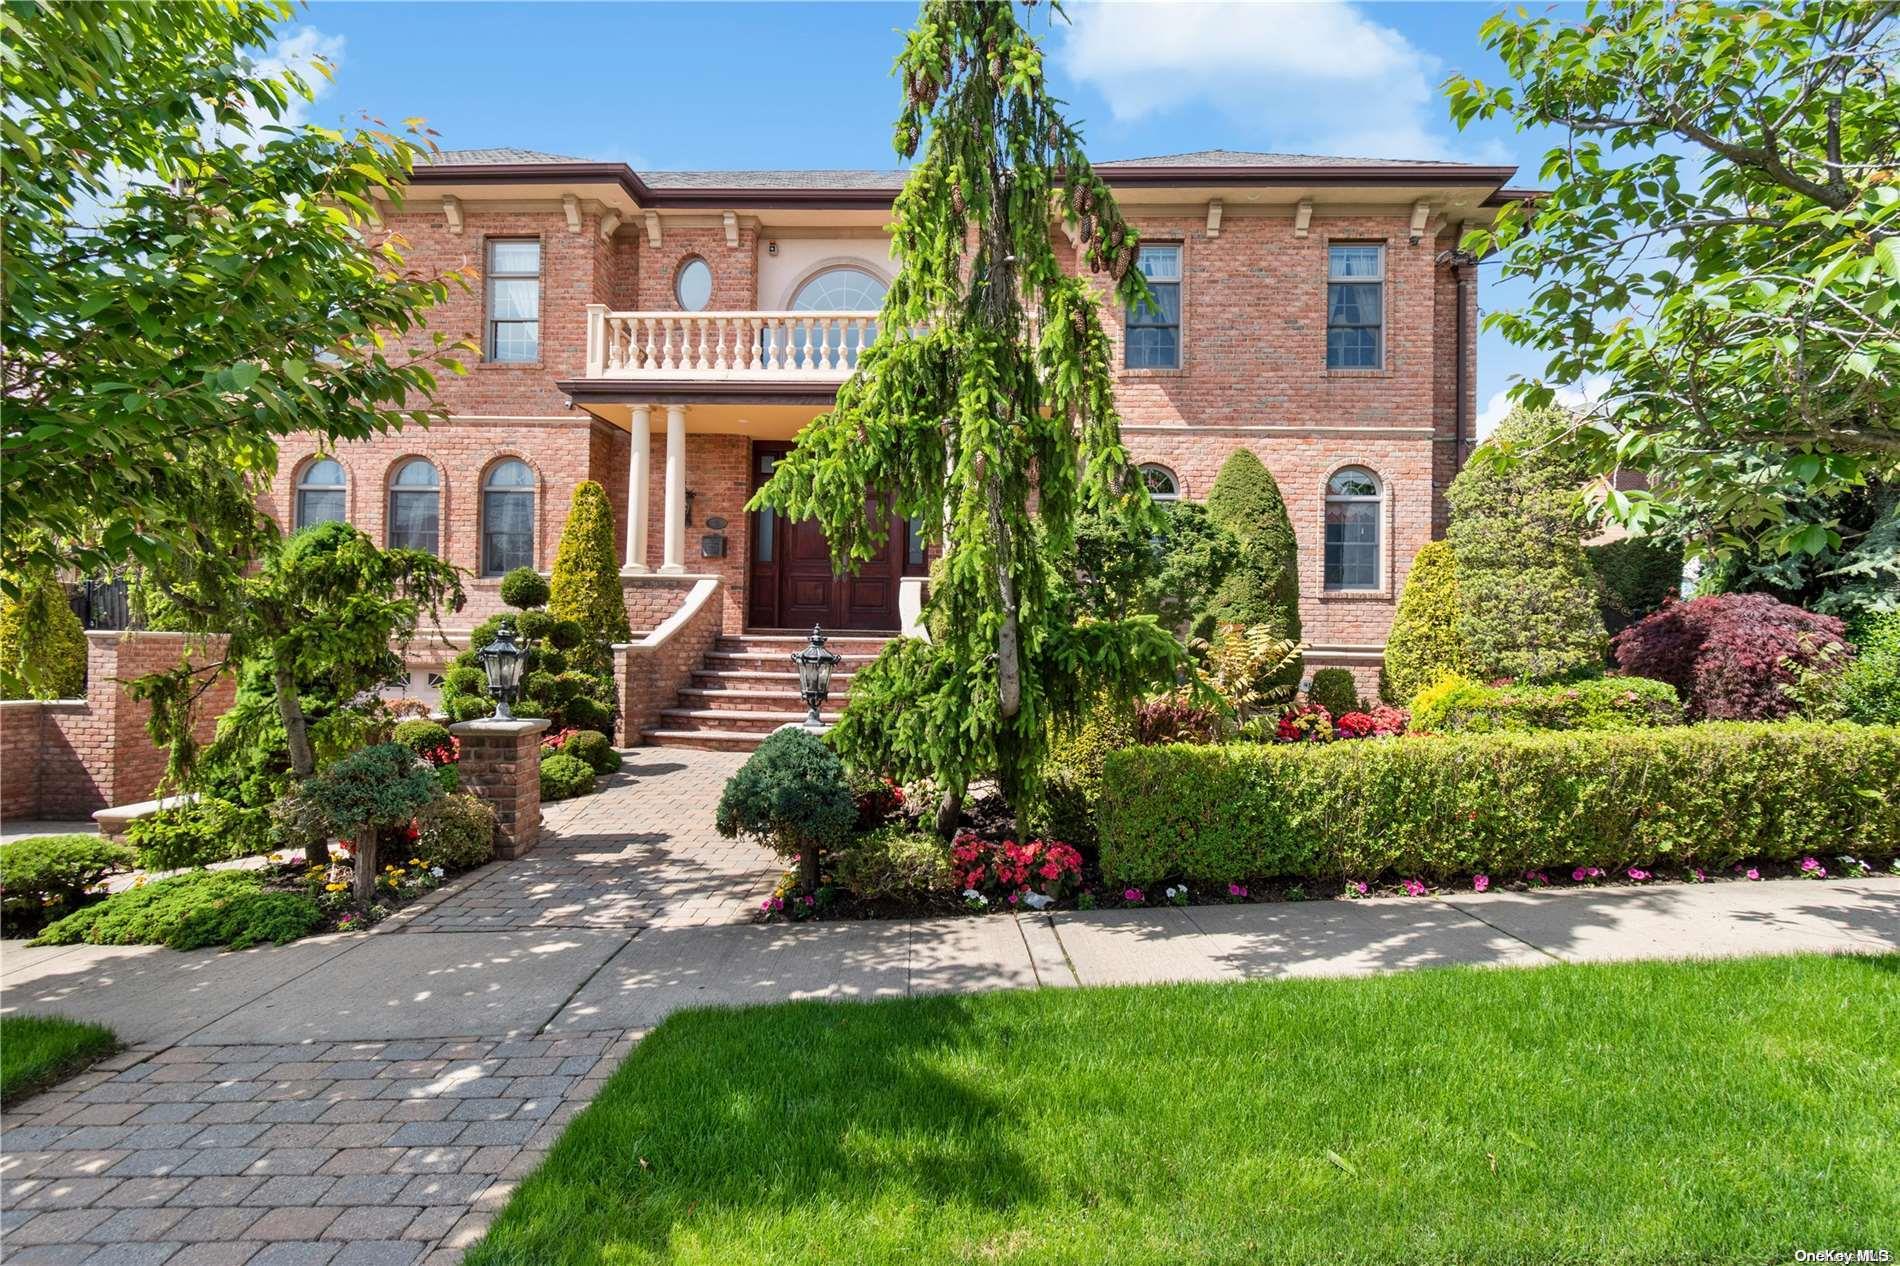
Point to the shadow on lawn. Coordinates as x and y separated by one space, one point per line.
740 1119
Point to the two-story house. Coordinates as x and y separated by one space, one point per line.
668 333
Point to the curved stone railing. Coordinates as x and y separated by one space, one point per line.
727 346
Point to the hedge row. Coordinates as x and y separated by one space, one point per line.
1455 705
1499 803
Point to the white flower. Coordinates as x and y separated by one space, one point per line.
1038 901
437 871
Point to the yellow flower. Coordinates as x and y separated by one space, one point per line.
415 861
335 887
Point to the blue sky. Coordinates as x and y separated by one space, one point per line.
669 85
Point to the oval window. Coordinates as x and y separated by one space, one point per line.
694 287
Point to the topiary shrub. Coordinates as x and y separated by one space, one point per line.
1634 577
1733 657
563 777
791 796
524 588
430 740
53 873
1457 705
456 832
381 786
1334 690
586 583
42 643
1072 775
895 862
1870 688
1706 795
199 832
1424 643
1263 586
1527 600
592 748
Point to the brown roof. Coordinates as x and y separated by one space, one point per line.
486 157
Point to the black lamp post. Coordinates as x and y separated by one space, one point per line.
501 661
814 664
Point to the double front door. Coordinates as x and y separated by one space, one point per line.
790 581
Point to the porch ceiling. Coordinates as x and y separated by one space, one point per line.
762 421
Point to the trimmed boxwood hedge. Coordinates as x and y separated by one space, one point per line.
1499 803
1455 705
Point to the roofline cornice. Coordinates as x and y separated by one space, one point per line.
837 198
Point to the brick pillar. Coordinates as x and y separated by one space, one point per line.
501 764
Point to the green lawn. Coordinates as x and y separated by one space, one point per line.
1727 1112
36 1051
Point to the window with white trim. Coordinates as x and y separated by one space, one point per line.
415 506
514 300
1160 482
694 285
507 518
1354 509
1153 330
1355 306
321 490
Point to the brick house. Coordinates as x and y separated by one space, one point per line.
668 333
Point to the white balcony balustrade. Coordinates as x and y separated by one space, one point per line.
726 346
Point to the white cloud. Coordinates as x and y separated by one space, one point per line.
1316 76
300 51
1589 392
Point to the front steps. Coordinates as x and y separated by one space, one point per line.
746 688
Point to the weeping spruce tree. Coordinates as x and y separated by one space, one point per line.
989 391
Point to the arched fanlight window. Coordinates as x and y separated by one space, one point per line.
693 287
507 517
842 289
320 492
1354 510
415 506
1160 482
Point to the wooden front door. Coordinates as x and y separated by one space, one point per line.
790 583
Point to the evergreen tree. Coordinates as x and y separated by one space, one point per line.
989 389
1264 587
1424 643
42 643
1527 598
585 586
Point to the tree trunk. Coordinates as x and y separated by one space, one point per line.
303 761
1009 667
364 868
949 810
808 867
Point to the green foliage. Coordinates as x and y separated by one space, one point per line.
1456 705
569 698
1869 691
456 832
1424 643
55 870
525 589
586 582
423 737
38 1051
987 404
1247 671
792 797
190 277
1527 601
895 862
1725 172
380 786
563 777
192 911
1335 690
1124 569
1263 587
592 747
1500 803
1634 575
199 832
1072 775
42 643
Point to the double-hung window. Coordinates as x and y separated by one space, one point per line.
1154 329
1354 509
514 301
1355 307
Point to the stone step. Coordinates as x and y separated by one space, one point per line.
761 679
751 720
703 740
840 642
771 661
751 700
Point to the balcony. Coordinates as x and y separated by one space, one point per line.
737 347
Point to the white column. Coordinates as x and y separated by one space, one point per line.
673 545
639 479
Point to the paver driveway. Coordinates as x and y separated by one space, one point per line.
372 1098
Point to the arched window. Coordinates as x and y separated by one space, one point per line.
1354 508
415 506
842 289
320 489
1160 482
507 518
693 287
